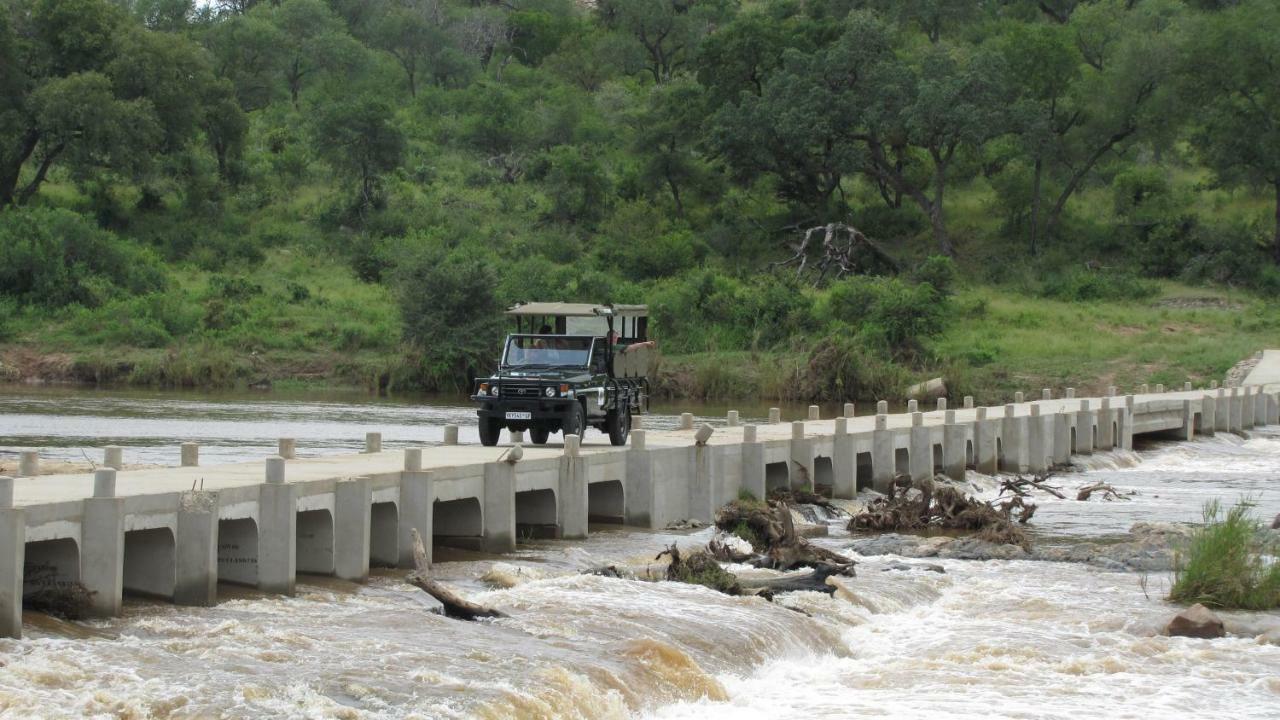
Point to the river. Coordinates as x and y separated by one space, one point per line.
1016 639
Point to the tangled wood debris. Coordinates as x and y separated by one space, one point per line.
1105 490
925 505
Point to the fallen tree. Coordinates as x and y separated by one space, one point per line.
701 567
769 529
455 605
925 505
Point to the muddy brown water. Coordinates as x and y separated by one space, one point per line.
986 639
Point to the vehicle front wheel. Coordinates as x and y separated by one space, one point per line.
490 429
539 435
576 422
619 424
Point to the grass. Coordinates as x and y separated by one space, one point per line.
1224 565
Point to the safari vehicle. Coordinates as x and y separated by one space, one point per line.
567 367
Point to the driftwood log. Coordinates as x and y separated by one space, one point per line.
769 529
455 605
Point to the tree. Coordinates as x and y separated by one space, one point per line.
413 33
312 41
668 30
1230 77
360 139
666 134
249 51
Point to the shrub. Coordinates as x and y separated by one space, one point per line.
938 272
895 314
1224 566
1081 285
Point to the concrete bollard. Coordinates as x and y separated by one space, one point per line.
6 492
942 404
450 434
1008 411
28 463
775 416
917 419
913 406
797 430
704 434
412 459
842 426
515 436
732 419
1186 386
882 407
749 434
815 412
1046 394
373 442
1213 385
104 483
637 422
637 439
1159 388
1113 391
275 470
190 454
968 402
113 456
1019 398
288 448
848 410
1071 393
571 445
686 421
1144 389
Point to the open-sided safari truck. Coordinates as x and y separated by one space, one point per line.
567 367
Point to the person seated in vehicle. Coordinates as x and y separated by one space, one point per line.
541 343
618 347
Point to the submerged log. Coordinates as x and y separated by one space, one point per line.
455 605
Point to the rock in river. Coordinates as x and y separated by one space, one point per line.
1196 621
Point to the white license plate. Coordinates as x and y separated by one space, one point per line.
519 416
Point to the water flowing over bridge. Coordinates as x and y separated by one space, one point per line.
176 532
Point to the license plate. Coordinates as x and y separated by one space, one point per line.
519 416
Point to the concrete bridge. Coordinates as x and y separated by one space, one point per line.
175 533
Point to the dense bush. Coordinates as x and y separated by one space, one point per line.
1224 565
1080 284
706 310
894 314
56 257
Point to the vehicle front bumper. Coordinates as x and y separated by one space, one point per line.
540 410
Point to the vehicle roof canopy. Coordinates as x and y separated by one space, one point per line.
562 309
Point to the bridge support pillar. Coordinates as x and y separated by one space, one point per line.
955 438
921 449
1246 408
984 443
1063 421
1188 421
352 522
701 492
277 537
1125 415
1222 411
415 512
1039 442
1208 415
1237 411
752 463
1012 440
1273 409
1084 429
102 554
572 494
196 545
844 466
1106 438
499 503
640 481
801 457
1259 407
13 545
883 455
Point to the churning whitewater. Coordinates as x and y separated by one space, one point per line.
905 638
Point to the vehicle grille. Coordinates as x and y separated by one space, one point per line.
520 390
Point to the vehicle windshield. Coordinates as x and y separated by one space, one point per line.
547 351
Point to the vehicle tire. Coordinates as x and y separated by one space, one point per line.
539 435
619 424
576 422
490 430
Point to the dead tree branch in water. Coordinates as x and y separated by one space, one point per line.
455 606
1107 491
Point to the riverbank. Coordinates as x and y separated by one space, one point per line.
996 341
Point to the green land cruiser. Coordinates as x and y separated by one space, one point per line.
568 366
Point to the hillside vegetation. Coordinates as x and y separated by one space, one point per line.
1005 192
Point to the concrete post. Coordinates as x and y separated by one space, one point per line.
1188 421
13 545
1071 393
732 419
752 463
954 440
639 502
775 416
277 535
942 404
701 496
968 402
416 512
28 463
1084 429
102 545
1063 421
113 457
1237 411
1159 388
1019 398
572 496
1222 411
515 437
1037 453
1186 386
1273 409
1126 423
352 506
1246 408
882 407
815 413
190 454
1013 432
1259 407
882 454
637 422
196 545
275 470
412 459
287 448
1144 389
844 463
849 410
686 421
1213 385
984 443
913 406
1208 414
921 449
1106 439
1046 394
801 457
450 438
373 442
1112 390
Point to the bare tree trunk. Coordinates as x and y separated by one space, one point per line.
455 606
1056 213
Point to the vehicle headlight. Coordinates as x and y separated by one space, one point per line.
550 392
493 391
